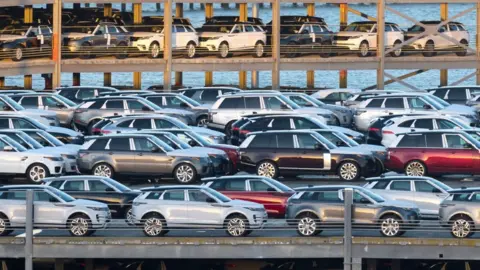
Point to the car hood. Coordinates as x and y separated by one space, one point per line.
245 203
45 151
350 33
191 152
211 34
373 148
10 37
458 109
360 149
60 150
349 151
313 110
347 131
62 130
38 112
336 108
203 107
208 150
83 202
77 35
207 131
174 112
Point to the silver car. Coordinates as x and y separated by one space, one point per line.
207 95
170 207
459 212
53 209
78 94
427 193
62 106
335 96
8 106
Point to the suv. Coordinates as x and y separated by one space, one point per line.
305 38
374 133
275 153
26 40
432 153
159 209
112 155
52 208
78 94
237 37
230 108
358 97
455 94
362 37
313 209
430 44
209 94
334 96
8 106
459 212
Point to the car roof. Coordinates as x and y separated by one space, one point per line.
397 177
152 94
228 177
422 116
121 135
73 177
113 98
326 187
11 131
32 94
371 22
7 187
452 131
278 115
160 188
403 94
281 131
210 87
437 22
85 87
13 115
251 93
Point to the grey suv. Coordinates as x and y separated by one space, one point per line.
142 155
78 94
207 95
459 211
313 209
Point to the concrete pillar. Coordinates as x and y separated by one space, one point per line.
137 19
107 12
27 82
28 18
276 44
242 75
343 24
76 79
59 264
178 13
443 17
107 79
311 73
478 43
208 78
381 43
57 43
254 73
167 48
209 14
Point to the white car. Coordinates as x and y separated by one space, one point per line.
362 37
335 96
53 209
237 37
10 107
184 37
431 43
161 208
17 160
406 124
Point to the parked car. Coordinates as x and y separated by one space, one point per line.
34 165
334 96
78 94
342 116
305 38
427 193
79 217
374 133
115 195
212 22
455 94
237 37
459 212
361 37
302 152
62 106
431 44
207 95
8 106
106 156
314 209
14 92
178 101
197 206
123 93
431 153
25 41
358 97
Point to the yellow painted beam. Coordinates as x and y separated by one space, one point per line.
137 19
311 73
343 24
443 17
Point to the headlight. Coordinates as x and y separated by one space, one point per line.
65 156
54 158
98 209
255 209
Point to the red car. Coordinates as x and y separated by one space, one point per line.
433 153
271 193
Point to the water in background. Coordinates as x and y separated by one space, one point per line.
356 78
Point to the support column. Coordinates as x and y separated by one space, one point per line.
107 79
209 14
107 12
57 44
347 229
242 75
311 73
2 82
343 24
478 43
381 44
28 18
276 44
254 73
137 19
443 17
76 79
178 13
167 48
27 82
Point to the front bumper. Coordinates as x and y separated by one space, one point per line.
346 45
56 167
258 220
101 220
70 166
209 45
141 45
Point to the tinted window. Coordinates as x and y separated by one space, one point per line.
252 103
381 185
440 93
134 105
56 184
406 124
210 95
70 94
174 102
394 103
434 140
457 142
97 186
160 123
235 185
189 93
197 196
120 144
85 93
416 103
142 123
333 96
422 186
4 123
457 94
424 123
282 123
21 123
114 104
42 196
259 186
263 141
74 186
99 144
156 100
445 124
400 185
359 198
232 103
285 140
30 101
154 195
412 141
453 27
306 141
174 195
125 124
375 103
97 104
304 124
258 124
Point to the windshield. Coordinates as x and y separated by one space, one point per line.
62 195
198 138
44 138
14 144
318 123
65 100
438 100
290 103
151 105
372 195
161 144
474 134
355 27
189 101
218 195
37 124
278 185
179 124
117 185
472 140
13 104
346 139
460 123
313 100
177 141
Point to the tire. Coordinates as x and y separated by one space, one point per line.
37 172
267 168
85 51
236 225
191 50
464 51
228 129
154 50
364 49
202 121
461 226
4 226
122 51
79 225
415 168
398 52
259 50
328 47
429 50
291 50
307 224
154 225
129 216
391 226
103 169
223 50
349 171
185 173
18 53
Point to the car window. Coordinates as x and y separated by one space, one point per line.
424 123
197 196
460 94
4 123
282 123
42 196
4 106
97 186
422 186
210 95
394 103
333 96
457 142
306 141
285 140
30 101
453 27
157 100
304 124
381 185
440 93
332 138
400 185
97 104
232 103
249 28
22 124
375 103
74 186
263 141
125 124
406 124
143 145
359 198
161 123
50 102
299 100
252 103
56 184
119 144
85 93
134 105
174 195
70 94
416 103
174 102
259 186
114 104
272 103
142 123
445 124
235 185
412 141
434 140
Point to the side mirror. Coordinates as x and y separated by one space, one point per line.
109 189
146 109
210 200
318 146
427 107
8 148
192 143
52 200
155 149
60 106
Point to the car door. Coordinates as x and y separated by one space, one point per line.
150 158
329 204
230 109
435 152
260 191
11 160
428 197
176 207
461 154
100 37
285 152
203 209
250 36
46 211
236 38
394 106
364 209
180 37
313 155
16 200
399 190
120 153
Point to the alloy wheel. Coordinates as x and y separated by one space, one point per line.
202 122
153 226
390 227
223 50
236 227
3 226
348 171
306 226
37 173
129 217
461 228
184 173
18 53
103 170
191 50
266 169
259 50
155 50
79 226
415 169
364 49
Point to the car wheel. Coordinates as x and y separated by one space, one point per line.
202 121
185 173
267 169
415 168
4 225
85 51
223 50
307 224
291 49
429 50
349 171
236 225
154 225
259 50
463 51
37 172
396 53
129 216
103 169
79 225
461 226
154 50
17 53
364 49
191 50
326 49
122 51
390 226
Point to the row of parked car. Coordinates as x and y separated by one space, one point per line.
240 204
223 36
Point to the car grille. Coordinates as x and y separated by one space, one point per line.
340 38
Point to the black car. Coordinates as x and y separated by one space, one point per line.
374 133
276 153
97 188
235 131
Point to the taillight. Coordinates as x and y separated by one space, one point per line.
387 132
358 112
105 131
374 129
96 130
235 128
244 132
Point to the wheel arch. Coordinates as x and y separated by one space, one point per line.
77 212
460 213
152 212
307 211
391 212
36 162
